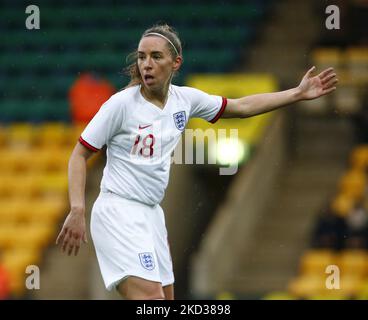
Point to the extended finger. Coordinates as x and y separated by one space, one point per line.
85 238
326 91
71 247
327 78
75 242
77 246
65 243
310 71
330 83
326 72
76 250
61 235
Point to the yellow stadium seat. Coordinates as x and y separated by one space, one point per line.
5 186
27 256
49 159
9 160
316 261
306 286
26 186
44 211
21 135
38 160
359 157
353 262
18 160
54 184
279 295
357 62
32 182
342 204
59 159
54 134
353 183
351 285
19 186
6 235
225 295
10 212
331 295
20 210
344 285
16 261
33 236
363 290
327 57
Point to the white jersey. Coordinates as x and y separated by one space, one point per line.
140 138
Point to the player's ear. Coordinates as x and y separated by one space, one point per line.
177 63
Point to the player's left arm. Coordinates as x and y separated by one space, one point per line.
311 87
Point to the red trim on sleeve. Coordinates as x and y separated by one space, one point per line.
222 109
87 145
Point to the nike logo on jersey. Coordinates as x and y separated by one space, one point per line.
145 126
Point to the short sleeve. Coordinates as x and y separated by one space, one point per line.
105 124
206 106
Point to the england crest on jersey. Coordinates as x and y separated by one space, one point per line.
147 260
180 119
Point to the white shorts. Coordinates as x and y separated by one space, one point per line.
130 239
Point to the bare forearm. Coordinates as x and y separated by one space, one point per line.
77 182
261 103
311 87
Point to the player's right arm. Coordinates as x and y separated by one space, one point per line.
74 228
104 125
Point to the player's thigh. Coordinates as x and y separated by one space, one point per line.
162 247
169 292
135 288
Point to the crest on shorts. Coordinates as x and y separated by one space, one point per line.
180 119
147 260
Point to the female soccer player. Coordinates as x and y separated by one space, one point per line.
141 126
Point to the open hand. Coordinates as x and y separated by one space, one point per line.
312 87
73 231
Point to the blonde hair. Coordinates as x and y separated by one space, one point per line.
173 44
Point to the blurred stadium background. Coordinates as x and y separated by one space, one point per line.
299 200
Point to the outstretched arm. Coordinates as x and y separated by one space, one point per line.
311 87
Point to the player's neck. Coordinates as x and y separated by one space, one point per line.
158 97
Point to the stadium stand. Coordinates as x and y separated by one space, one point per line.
340 234
340 239
39 66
